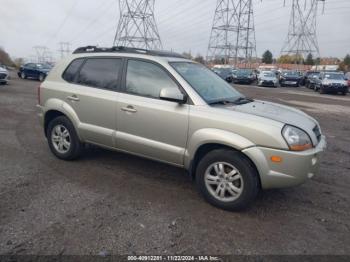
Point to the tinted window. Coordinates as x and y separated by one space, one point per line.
72 70
147 79
100 72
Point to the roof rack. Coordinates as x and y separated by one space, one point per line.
123 49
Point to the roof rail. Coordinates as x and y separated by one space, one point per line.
123 49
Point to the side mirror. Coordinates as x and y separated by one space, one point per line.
173 95
346 79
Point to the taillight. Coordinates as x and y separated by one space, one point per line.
39 89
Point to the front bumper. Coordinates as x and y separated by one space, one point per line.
335 89
295 168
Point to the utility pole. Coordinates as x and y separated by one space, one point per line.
302 33
137 26
64 49
232 36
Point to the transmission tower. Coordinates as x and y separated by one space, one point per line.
302 37
64 49
43 54
232 36
137 26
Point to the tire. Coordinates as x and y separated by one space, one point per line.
70 152
321 91
41 77
246 181
23 75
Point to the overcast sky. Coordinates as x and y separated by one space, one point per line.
183 24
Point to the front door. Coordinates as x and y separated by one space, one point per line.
149 126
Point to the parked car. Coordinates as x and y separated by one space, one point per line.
332 82
290 78
267 78
37 71
244 76
177 111
347 77
311 79
4 75
225 73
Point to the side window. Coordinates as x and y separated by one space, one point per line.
147 79
72 70
100 72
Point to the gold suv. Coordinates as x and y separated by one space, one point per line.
164 107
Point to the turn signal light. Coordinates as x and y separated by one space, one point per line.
301 147
276 159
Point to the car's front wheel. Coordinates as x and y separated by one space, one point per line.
63 140
227 179
41 77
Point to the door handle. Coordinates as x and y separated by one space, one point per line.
73 98
129 109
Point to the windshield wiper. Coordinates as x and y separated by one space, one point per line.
238 101
221 102
243 100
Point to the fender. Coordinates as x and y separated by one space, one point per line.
55 104
213 136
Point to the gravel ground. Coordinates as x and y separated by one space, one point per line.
112 203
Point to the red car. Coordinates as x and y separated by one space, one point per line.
347 76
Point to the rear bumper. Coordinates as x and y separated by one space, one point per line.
295 168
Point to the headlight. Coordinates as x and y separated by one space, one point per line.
297 139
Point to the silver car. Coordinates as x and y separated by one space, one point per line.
166 108
4 75
267 78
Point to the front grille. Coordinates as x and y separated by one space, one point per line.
270 83
317 133
2 76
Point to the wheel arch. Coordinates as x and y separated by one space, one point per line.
58 108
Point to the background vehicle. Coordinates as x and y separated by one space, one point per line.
290 78
176 111
267 78
37 71
244 76
347 77
311 79
4 75
332 82
225 73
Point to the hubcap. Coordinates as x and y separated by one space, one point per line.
60 138
224 181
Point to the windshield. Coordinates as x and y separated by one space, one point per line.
334 76
291 74
269 74
206 83
244 72
223 71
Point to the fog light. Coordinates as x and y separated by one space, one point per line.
276 159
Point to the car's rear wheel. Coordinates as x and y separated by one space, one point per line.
227 179
23 75
63 140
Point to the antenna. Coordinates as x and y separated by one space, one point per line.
137 26
232 36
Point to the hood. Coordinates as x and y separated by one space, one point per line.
3 70
280 113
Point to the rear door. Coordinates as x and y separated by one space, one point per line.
146 125
92 94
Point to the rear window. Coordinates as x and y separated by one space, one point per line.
72 70
100 73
